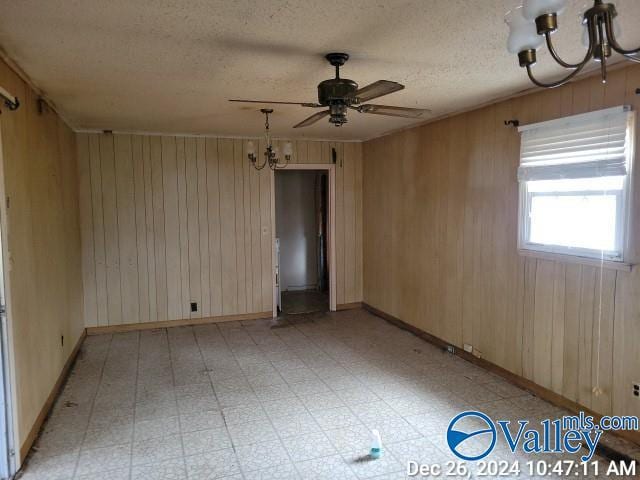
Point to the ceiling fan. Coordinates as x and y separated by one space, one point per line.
340 94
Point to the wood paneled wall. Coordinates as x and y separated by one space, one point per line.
440 251
43 241
167 221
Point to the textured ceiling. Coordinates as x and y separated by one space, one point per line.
170 66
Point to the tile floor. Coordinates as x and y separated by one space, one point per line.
304 301
264 400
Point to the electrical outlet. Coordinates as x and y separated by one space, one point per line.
451 349
194 306
468 348
636 389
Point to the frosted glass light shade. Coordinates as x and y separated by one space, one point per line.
251 148
522 32
532 9
287 150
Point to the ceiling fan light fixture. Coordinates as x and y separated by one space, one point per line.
338 114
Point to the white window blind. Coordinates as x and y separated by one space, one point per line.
594 144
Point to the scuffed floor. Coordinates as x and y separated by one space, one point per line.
249 401
305 301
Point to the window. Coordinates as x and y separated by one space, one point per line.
574 178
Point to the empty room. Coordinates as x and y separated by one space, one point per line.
292 239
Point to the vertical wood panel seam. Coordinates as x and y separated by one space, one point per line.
104 230
186 211
92 225
135 220
205 207
146 233
235 227
220 226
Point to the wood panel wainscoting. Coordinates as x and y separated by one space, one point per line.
171 220
440 251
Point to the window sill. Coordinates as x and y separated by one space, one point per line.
562 257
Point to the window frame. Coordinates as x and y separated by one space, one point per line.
582 255
621 225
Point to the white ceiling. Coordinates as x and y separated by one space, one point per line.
170 66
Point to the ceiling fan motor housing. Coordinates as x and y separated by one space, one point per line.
337 94
337 90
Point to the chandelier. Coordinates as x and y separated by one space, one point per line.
271 153
533 23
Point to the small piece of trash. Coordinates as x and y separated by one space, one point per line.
376 444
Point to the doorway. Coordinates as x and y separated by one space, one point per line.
304 280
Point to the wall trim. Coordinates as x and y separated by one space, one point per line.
209 135
48 404
133 327
349 306
533 388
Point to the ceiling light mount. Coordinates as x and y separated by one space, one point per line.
337 59
271 152
533 23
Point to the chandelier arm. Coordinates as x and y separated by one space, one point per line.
564 80
278 166
554 54
560 82
614 43
264 164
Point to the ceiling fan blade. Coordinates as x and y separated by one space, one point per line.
393 111
312 119
314 105
377 89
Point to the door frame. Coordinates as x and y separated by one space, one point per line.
331 228
7 354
